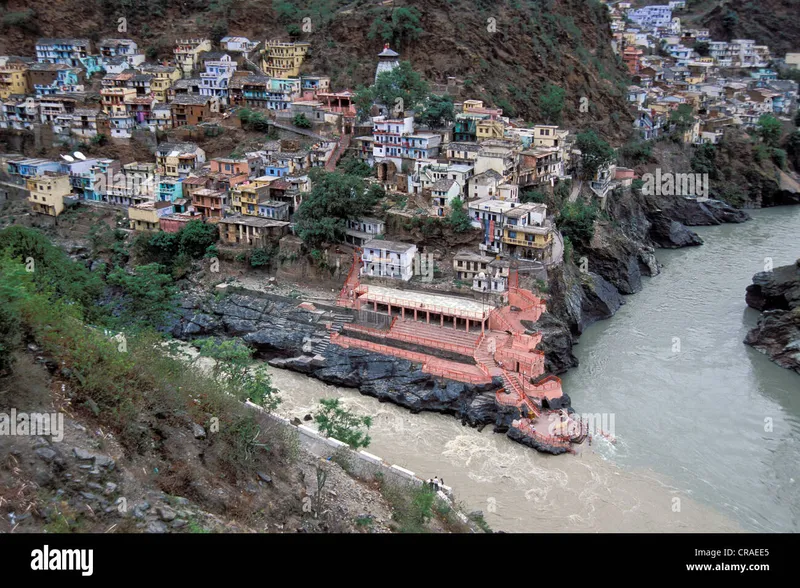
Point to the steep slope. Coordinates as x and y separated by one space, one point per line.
505 52
770 22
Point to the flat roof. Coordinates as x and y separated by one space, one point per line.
449 305
388 245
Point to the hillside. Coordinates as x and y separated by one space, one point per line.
504 52
768 22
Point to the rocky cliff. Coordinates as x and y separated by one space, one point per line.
777 295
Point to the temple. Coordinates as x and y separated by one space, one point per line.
463 339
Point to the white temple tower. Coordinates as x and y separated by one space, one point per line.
387 60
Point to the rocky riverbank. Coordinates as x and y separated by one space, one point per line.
293 338
777 295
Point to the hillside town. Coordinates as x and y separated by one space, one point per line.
463 313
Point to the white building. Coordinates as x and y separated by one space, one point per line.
388 259
658 15
361 230
215 80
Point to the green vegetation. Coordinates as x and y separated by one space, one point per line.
551 104
237 373
576 222
175 251
682 118
254 121
635 153
595 153
355 167
397 26
25 20
262 256
148 295
533 195
437 111
334 199
458 219
301 121
769 129
52 269
338 422
399 90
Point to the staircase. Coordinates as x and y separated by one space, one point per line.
336 326
341 147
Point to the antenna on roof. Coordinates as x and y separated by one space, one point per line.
80 156
68 158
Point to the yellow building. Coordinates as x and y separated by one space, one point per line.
489 129
13 80
533 241
187 54
47 193
163 78
144 217
245 197
113 100
283 60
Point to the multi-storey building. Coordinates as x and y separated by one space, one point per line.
283 60
215 80
47 192
163 78
187 54
179 159
13 79
71 52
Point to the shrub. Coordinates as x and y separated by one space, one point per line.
338 422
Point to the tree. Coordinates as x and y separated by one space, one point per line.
398 28
334 199
702 48
438 110
301 121
148 294
336 421
261 256
769 129
576 222
730 20
196 237
682 118
551 103
595 152
458 220
52 268
236 371
398 89
354 167
533 196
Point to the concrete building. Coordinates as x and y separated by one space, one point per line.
47 193
251 231
388 259
187 54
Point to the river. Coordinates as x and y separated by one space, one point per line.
706 428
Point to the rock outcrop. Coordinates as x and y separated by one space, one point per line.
777 295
